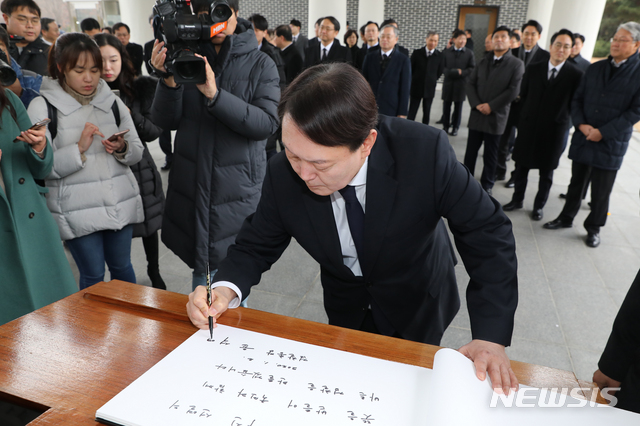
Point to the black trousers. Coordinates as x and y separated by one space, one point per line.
521 174
507 141
414 104
165 145
474 142
449 120
601 186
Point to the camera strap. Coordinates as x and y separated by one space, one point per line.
53 115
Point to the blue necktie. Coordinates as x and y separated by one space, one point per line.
355 217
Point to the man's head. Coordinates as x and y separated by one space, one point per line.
432 40
295 26
283 36
91 27
500 40
371 33
107 30
468 32
49 29
329 29
561 44
388 38
578 45
22 18
488 43
459 39
316 26
531 32
122 31
515 40
260 26
328 116
626 41
389 22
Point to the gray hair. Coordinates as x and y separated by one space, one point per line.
395 30
633 28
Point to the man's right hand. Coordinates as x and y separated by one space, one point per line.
585 129
199 311
158 58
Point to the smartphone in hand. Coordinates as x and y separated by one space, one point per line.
117 134
36 126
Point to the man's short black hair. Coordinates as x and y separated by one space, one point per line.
389 22
515 35
295 23
89 24
284 31
332 104
458 33
533 23
578 36
371 22
362 28
564 31
259 22
4 39
44 23
319 21
501 28
119 25
334 21
468 30
10 6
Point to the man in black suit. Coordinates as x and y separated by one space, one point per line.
371 42
469 34
329 49
260 27
458 64
300 42
292 60
493 84
316 28
389 75
393 22
364 195
576 58
546 94
426 69
122 31
530 53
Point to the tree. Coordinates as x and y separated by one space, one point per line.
615 13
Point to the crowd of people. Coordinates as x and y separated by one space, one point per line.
359 184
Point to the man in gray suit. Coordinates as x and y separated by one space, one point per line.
300 42
493 85
576 58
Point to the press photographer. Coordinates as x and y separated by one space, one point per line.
222 126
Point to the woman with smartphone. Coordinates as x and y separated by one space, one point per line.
93 195
137 94
34 270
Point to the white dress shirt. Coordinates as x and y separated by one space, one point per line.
557 67
429 52
328 47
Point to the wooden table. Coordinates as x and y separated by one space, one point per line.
69 358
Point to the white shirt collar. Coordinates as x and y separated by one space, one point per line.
429 52
557 67
361 177
328 47
369 47
387 53
617 64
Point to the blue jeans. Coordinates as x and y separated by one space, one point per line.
201 279
92 251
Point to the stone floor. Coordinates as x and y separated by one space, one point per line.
569 293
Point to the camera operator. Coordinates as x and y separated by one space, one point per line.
23 25
27 83
219 160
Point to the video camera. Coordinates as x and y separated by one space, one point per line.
7 74
181 30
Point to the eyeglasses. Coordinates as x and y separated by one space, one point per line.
562 46
327 28
619 40
24 20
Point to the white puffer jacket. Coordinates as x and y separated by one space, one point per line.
100 193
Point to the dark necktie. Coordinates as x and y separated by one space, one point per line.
355 217
526 57
324 54
496 62
385 62
428 54
553 74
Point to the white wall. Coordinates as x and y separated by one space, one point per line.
135 13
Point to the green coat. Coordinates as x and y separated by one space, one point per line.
34 270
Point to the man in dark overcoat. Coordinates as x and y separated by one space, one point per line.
493 84
544 120
426 69
604 110
458 64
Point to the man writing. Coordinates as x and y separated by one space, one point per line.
365 196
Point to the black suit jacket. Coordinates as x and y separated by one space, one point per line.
581 63
391 88
337 53
425 72
148 48
293 62
413 180
544 115
301 44
274 53
537 54
362 53
454 85
137 56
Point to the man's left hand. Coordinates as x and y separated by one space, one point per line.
484 108
594 135
208 88
491 357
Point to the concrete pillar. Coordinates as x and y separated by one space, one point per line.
335 8
136 15
540 10
581 16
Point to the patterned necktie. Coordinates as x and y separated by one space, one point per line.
355 217
324 54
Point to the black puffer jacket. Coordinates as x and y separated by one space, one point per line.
145 171
33 57
219 158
